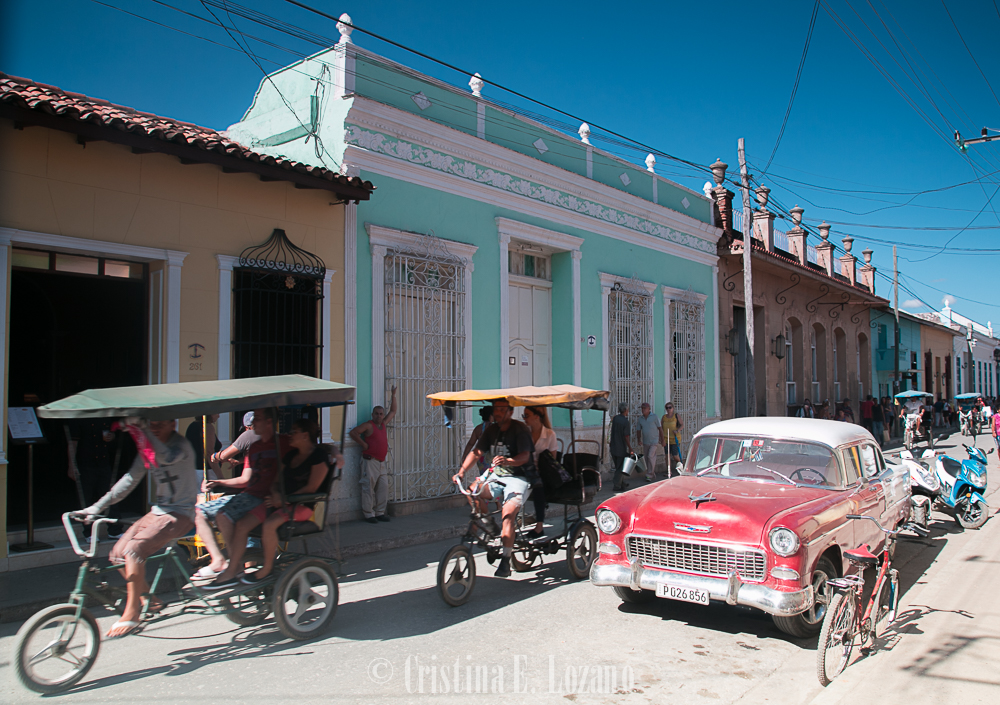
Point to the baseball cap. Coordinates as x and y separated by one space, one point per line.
248 419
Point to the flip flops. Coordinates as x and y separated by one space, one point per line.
206 573
130 628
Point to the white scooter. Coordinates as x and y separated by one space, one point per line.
925 486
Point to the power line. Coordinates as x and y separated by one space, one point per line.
970 52
795 86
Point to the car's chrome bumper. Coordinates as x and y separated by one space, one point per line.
731 590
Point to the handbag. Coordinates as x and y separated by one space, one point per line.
552 473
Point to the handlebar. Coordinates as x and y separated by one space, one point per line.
461 487
862 516
94 531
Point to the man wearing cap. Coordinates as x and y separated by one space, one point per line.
374 442
651 438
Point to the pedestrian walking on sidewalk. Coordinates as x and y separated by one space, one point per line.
374 442
620 445
651 438
672 426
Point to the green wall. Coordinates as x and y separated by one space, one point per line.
415 208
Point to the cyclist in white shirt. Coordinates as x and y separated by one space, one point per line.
911 411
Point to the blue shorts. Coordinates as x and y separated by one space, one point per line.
509 487
234 506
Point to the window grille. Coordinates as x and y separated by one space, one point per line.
816 395
424 353
687 326
630 323
277 305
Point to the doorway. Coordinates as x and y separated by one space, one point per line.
740 362
530 329
75 323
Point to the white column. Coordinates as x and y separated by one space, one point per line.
504 310
715 336
481 119
577 331
4 288
470 422
590 174
224 346
324 371
668 349
605 343
378 324
173 318
351 305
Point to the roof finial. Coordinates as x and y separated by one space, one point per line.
476 84
584 132
345 27
650 163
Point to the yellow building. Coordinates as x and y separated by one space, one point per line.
121 236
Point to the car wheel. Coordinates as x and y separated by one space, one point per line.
809 623
634 597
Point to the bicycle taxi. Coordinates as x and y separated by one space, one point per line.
57 646
456 576
970 423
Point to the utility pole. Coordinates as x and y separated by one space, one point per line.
748 281
963 144
895 304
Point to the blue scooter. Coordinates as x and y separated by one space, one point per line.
963 484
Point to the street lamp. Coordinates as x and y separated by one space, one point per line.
733 341
779 347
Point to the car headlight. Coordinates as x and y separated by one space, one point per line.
783 541
608 521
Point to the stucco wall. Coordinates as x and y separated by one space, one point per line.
51 184
777 300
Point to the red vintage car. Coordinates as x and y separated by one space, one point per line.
757 518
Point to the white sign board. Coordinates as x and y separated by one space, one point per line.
23 424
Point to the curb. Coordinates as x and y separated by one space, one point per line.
21 612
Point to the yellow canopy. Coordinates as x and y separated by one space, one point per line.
565 395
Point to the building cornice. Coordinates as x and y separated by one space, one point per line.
398 125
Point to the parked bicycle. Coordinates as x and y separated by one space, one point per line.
845 623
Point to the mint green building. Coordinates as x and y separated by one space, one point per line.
495 252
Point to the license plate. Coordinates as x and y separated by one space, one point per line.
685 594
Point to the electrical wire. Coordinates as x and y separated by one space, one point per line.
795 86
971 56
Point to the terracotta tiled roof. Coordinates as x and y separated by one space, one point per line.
18 95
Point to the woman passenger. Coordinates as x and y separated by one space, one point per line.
544 438
305 471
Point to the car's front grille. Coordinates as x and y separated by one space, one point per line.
701 558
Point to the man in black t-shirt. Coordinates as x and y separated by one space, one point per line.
508 443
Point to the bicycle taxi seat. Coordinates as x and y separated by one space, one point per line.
862 556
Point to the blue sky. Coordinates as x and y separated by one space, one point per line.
686 80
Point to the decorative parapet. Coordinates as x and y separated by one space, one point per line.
463 168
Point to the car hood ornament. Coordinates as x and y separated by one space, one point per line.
707 497
693 528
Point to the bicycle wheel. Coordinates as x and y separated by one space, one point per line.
836 638
54 649
885 608
456 575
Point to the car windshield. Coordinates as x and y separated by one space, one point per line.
765 459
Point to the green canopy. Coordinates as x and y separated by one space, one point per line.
184 399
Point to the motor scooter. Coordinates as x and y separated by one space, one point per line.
925 487
962 484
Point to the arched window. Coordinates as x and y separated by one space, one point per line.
818 341
789 367
839 362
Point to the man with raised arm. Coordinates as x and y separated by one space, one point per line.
509 446
374 441
168 458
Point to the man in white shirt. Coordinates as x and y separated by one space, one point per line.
912 409
651 439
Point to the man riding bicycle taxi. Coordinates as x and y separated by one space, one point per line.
168 458
911 412
508 442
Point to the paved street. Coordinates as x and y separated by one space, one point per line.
542 638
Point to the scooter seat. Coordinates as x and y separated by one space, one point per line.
951 466
862 555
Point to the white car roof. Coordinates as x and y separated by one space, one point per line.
830 433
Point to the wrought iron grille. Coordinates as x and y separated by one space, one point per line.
630 323
687 325
701 558
277 306
424 353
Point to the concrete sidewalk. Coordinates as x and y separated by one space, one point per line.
945 644
24 592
